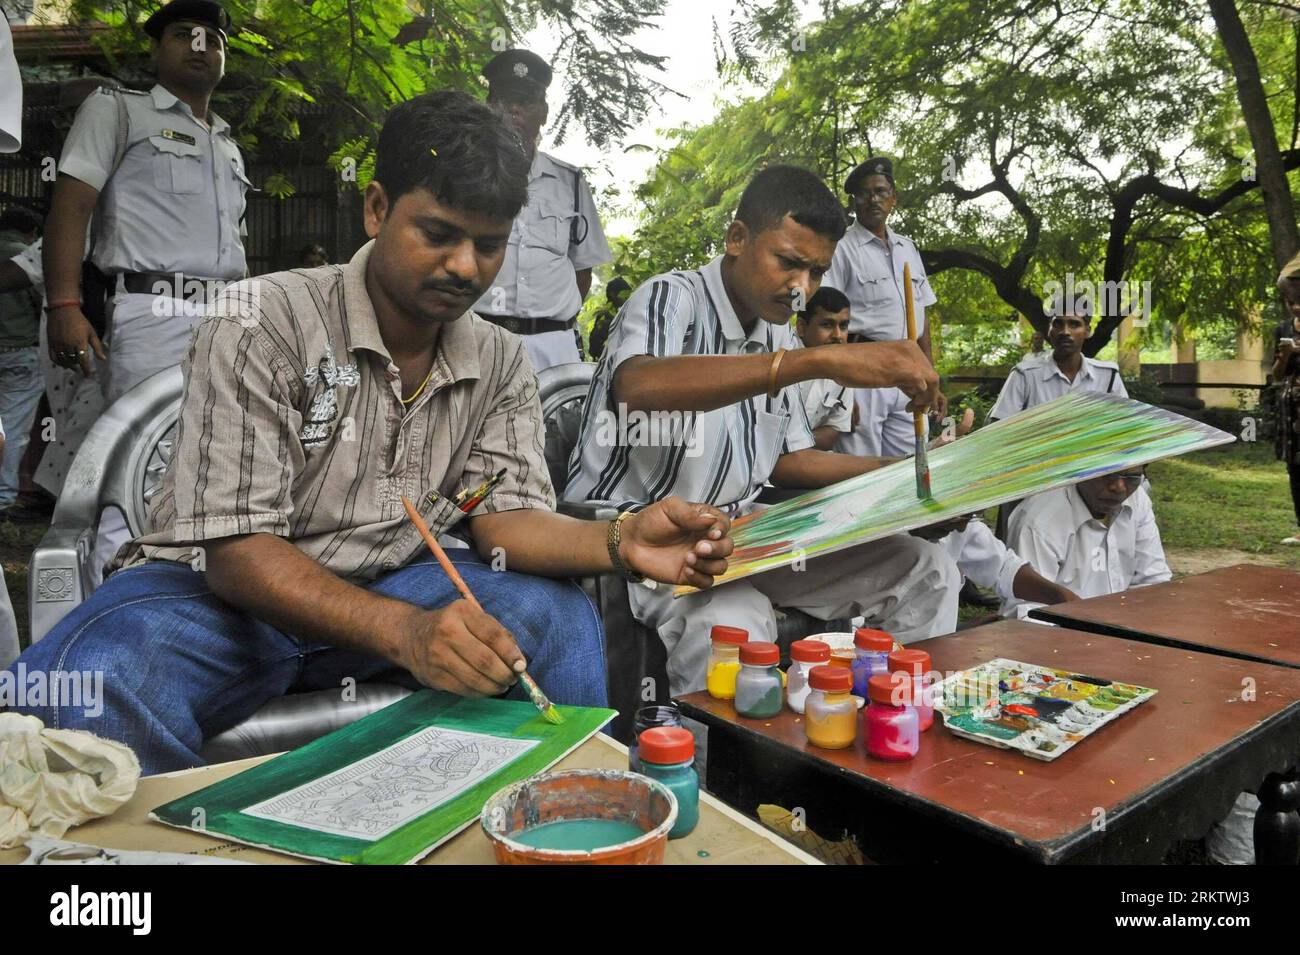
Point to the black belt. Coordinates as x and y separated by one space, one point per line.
191 289
527 326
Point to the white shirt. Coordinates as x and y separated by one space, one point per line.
721 457
1039 379
885 428
11 93
872 278
538 275
176 202
1058 535
984 559
826 403
29 260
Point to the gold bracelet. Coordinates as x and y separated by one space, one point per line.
771 374
613 538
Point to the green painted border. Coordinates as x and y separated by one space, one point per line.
221 803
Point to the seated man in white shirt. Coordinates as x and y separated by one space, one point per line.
1097 537
825 321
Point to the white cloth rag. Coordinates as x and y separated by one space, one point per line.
52 780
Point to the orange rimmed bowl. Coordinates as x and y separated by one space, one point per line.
606 794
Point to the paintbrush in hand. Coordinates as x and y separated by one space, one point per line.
922 424
548 709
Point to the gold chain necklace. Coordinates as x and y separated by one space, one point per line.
407 401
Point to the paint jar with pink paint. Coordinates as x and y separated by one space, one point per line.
804 655
892 728
916 664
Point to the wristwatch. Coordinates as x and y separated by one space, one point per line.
613 538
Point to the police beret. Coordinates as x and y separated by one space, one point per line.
519 68
207 12
875 166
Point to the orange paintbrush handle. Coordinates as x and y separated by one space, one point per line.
448 567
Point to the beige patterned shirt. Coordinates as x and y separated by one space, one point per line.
292 424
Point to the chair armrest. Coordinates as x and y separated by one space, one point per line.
588 510
57 578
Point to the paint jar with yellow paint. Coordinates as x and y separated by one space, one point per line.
724 661
830 713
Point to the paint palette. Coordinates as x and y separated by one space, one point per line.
1040 711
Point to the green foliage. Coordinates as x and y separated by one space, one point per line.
1016 126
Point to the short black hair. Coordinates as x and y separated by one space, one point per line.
458 148
617 286
826 299
20 219
780 191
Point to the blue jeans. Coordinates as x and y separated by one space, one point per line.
180 665
21 387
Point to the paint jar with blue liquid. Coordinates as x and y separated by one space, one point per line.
648 718
872 657
668 755
758 686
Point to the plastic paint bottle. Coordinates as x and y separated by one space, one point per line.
873 649
804 655
758 685
668 755
724 661
831 717
916 664
649 717
892 730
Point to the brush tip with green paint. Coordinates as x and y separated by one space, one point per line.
548 709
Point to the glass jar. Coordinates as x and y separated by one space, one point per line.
831 716
758 685
724 661
668 755
893 731
804 655
916 664
872 657
650 717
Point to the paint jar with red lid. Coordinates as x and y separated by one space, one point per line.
724 661
668 755
872 656
831 716
758 685
916 664
892 728
804 655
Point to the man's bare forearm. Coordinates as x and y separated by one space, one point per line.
65 238
813 468
707 382
272 580
543 543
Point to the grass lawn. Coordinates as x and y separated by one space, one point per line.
1234 498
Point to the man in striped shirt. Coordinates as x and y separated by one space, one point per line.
704 365
315 402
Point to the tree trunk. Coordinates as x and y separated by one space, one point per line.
1273 184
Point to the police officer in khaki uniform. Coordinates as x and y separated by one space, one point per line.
165 181
556 238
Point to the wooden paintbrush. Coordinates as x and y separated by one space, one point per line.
922 425
548 709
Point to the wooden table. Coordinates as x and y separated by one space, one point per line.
1244 611
723 836
1166 771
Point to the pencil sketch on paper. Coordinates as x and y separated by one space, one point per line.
381 793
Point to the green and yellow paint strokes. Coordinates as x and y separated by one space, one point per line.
1076 437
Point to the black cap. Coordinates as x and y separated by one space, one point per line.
518 69
207 12
875 166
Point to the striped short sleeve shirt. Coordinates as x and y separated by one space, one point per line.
292 424
721 457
